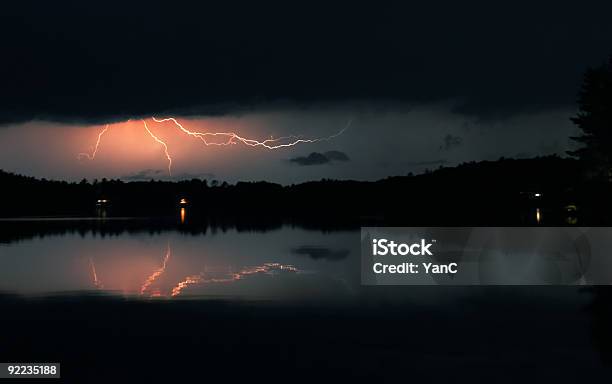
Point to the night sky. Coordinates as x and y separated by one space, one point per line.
423 85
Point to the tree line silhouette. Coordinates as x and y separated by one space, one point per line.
498 192
594 119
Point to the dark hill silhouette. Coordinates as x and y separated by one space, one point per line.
501 192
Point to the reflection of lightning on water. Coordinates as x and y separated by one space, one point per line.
249 271
189 280
157 273
228 139
200 278
94 275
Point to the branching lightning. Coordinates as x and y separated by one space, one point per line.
228 138
232 136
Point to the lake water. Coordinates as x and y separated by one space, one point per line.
114 298
283 263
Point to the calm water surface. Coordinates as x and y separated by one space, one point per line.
281 263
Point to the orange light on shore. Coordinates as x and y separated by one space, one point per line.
183 201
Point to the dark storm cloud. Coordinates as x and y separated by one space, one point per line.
523 155
316 158
190 176
450 141
550 147
144 175
315 252
111 60
336 156
427 162
156 174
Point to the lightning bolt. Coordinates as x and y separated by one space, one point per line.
95 150
157 273
163 144
229 138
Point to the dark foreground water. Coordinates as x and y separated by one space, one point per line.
146 303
